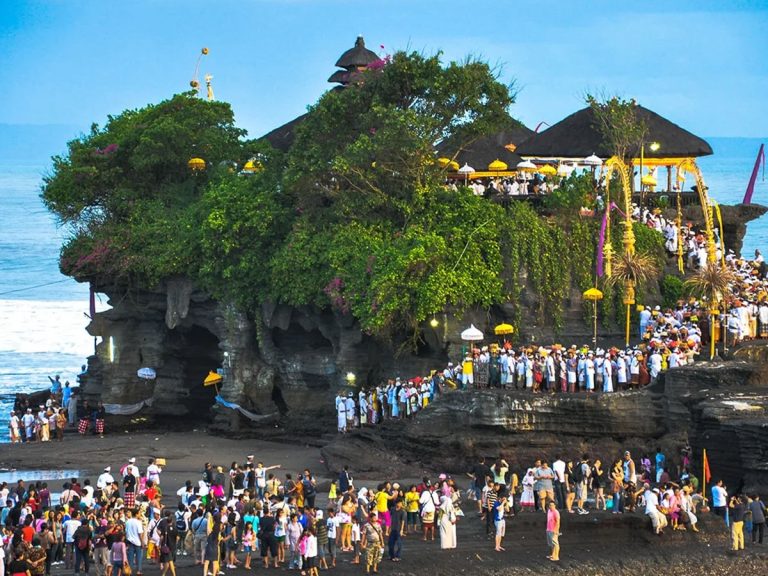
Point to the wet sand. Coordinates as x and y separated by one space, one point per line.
597 544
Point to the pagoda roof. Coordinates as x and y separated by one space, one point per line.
579 136
356 56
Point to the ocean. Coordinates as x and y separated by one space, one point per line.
43 313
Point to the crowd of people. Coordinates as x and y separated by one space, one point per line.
229 520
48 421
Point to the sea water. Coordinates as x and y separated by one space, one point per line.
43 313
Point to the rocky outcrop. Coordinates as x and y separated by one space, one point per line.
717 406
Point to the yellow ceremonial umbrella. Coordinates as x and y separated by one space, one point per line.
503 329
648 180
497 166
196 164
443 162
213 379
252 166
594 295
454 166
548 170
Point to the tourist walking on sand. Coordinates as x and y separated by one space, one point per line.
397 520
373 543
553 532
447 524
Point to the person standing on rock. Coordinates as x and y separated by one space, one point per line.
553 532
736 512
544 477
341 412
630 480
719 499
757 507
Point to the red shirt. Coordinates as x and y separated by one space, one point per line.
27 533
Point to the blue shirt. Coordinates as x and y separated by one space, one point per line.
660 460
66 393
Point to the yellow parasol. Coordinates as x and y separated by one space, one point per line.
503 329
213 379
497 166
454 166
443 162
594 295
196 164
548 170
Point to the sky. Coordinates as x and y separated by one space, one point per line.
702 64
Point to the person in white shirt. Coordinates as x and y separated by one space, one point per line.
651 499
14 425
70 526
134 541
558 466
105 478
153 472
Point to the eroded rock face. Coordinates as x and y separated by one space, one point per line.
720 407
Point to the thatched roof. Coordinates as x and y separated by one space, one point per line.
486 149
578 136
346 77
282 137
356 56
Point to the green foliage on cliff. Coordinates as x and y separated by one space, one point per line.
355 218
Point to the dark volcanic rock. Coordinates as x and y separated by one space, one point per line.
717 406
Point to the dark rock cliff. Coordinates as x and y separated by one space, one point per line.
717 406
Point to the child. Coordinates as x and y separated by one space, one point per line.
332 524
302 547
118 555
355 540
311 552
249 538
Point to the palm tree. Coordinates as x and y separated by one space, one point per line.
711 283
632 269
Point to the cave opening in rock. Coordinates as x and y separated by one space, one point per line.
195 351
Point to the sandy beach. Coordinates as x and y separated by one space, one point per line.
597 544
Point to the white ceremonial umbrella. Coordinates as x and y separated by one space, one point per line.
472 334
147 373
527 165
592 160
466 170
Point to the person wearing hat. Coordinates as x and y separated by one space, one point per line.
373 543
105 479
14 426
351 411
653 508
28 420
341 412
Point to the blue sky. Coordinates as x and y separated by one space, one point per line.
702 64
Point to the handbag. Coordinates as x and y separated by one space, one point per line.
127 569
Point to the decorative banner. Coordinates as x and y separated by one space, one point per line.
126 409
601 240
243 411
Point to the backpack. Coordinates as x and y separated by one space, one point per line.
578 473
309 488
82 538
181 522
